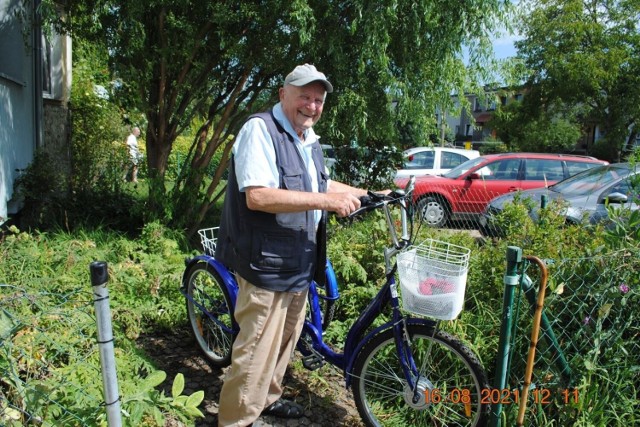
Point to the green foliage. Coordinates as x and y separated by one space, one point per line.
144 403
218 65
94 194
44 189
524 128
98 132
53 333
590 293
583 55
49 362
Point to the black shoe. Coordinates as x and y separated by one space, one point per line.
283 408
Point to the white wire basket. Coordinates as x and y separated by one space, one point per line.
433 279
208 237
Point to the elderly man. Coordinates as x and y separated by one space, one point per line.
272 221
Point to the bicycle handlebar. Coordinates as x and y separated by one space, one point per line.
376 200
400 197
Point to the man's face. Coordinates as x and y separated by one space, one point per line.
303 104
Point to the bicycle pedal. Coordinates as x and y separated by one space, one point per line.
313 362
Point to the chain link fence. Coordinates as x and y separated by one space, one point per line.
588 359
44 377
61 362
587 362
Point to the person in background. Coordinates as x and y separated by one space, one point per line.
272 234
134 153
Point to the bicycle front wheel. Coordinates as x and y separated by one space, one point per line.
449 381
210 315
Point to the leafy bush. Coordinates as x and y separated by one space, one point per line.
144 273
44 189
48 361
100 156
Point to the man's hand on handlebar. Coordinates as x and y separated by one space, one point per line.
374 200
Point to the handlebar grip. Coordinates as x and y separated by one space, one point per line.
369 202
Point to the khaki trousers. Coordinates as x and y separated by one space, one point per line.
270 325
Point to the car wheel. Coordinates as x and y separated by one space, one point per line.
433 211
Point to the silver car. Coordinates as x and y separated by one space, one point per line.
587 196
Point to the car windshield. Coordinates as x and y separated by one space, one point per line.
590 180
462 168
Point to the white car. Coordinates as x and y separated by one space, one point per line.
421 161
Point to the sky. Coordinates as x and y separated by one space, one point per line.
503 41
503 46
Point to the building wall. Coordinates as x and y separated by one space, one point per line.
17 118
30 110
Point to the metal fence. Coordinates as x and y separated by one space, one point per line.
587 357
587 360
43 377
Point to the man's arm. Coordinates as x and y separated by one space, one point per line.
340 198
338 187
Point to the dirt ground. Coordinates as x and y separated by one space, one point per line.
322 392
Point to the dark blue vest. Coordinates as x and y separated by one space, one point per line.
273 251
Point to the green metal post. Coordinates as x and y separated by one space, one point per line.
511 279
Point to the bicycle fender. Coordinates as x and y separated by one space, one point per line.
378 330
224 273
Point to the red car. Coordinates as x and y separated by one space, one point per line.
465 191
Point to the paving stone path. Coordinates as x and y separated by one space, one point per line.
322 392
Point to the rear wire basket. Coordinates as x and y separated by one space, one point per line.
433 278
208 237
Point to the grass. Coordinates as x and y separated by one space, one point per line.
48 330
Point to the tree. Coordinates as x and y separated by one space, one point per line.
222 60
586 55
545 130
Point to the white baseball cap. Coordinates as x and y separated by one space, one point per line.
305 74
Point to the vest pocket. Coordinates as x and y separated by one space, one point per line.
275 252
293 180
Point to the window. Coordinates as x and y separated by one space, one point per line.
421 160
451 160
478 105
469 130
54 64
543 170
622 187
503 169
47 76
12 47
575 167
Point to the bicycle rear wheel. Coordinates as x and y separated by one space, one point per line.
450 380
210 316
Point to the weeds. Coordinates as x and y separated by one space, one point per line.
46 315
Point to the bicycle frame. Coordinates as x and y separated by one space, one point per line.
397 365
312 333
356 338
313 330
